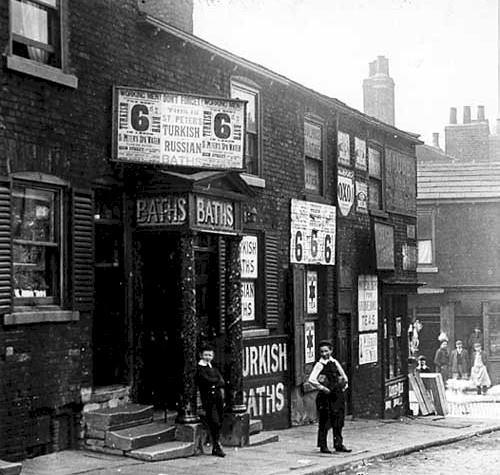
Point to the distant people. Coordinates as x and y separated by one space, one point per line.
442 360
422 365
475 337
479 372
459 361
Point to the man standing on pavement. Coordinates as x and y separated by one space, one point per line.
329 378
459 361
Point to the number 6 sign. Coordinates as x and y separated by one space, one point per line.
312 233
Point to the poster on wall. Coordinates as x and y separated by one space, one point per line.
367 303
312 292
309 342
247 301
368 348
168 128
360 153
312 233
249 257
384 246
361 197
343 148
345 190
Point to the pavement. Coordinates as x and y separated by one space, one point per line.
295 453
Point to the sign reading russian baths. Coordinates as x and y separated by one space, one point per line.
367 303
312 233
178 129
345 190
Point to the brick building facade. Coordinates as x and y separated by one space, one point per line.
83 282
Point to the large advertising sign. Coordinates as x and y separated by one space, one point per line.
312 233
345 190
367 303
164 128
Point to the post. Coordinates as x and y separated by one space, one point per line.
187 410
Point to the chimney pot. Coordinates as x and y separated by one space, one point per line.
467 115
435 139
453 115
480 113
373 68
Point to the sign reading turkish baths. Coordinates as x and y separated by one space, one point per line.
312 233
249 257
178 129
265 379
345 190
367 302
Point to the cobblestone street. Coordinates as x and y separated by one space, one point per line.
479 455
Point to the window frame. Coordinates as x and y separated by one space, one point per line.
376 179
248 87
431 212
317 122
59 296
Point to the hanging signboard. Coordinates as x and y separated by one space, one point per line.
165 128
165 210
312 292
345 190
361 197
249 257
309 342
367 303
360 153
312 233
368 348
343 148
384 246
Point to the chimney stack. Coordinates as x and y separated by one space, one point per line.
480 113
435 139
467 115
378 91
453 115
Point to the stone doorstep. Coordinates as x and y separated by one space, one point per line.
164 451
125 425
262 438
10 468
255 426
131 414
140 436
95 433
104 394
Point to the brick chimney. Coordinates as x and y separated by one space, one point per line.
177 13
435 140
378 91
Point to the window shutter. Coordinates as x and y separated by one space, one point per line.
272 280
5 247
82 250
222 285
298 323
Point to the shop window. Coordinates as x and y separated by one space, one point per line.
243 92
375 195
37 244
425 238
313 158
36 30
395 311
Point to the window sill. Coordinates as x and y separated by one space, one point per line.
309 196
42 71
255 332
427 270
378 213
253 180
41 316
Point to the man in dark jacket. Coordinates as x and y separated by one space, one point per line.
459 361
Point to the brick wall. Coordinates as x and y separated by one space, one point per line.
468 142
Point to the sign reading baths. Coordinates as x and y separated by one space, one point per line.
178 129
196 211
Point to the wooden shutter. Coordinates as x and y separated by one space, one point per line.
222 285
82 234
5 247
298 322
272 279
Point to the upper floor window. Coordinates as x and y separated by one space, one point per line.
36 30
36 244
313 157
245 93
375 196
425 238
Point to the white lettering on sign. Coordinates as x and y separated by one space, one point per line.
368 348
265 400
312 233
163 210
312 292
264 359
309 342
215 214
367 302
247 301
343 148
175 129
345 190
394 390
249 257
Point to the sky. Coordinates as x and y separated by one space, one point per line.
442 53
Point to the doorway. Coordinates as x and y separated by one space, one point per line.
344 352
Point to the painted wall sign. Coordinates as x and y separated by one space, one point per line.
265 380
312 233
309 342
247 300
361 197
367 303
345 190
360 153
178 129
368 348
384 246
214 214
162 210
400 182
249 257
312 140
312 292
343 148
409 253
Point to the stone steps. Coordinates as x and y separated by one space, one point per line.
10 468
255 426
118 417
140 436
164 451
263 438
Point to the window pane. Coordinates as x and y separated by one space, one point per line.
375 195
374 163
33 214
238 93
30 20
312 140
251 154
424 226
424 251
313 175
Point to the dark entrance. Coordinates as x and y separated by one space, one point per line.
343 350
